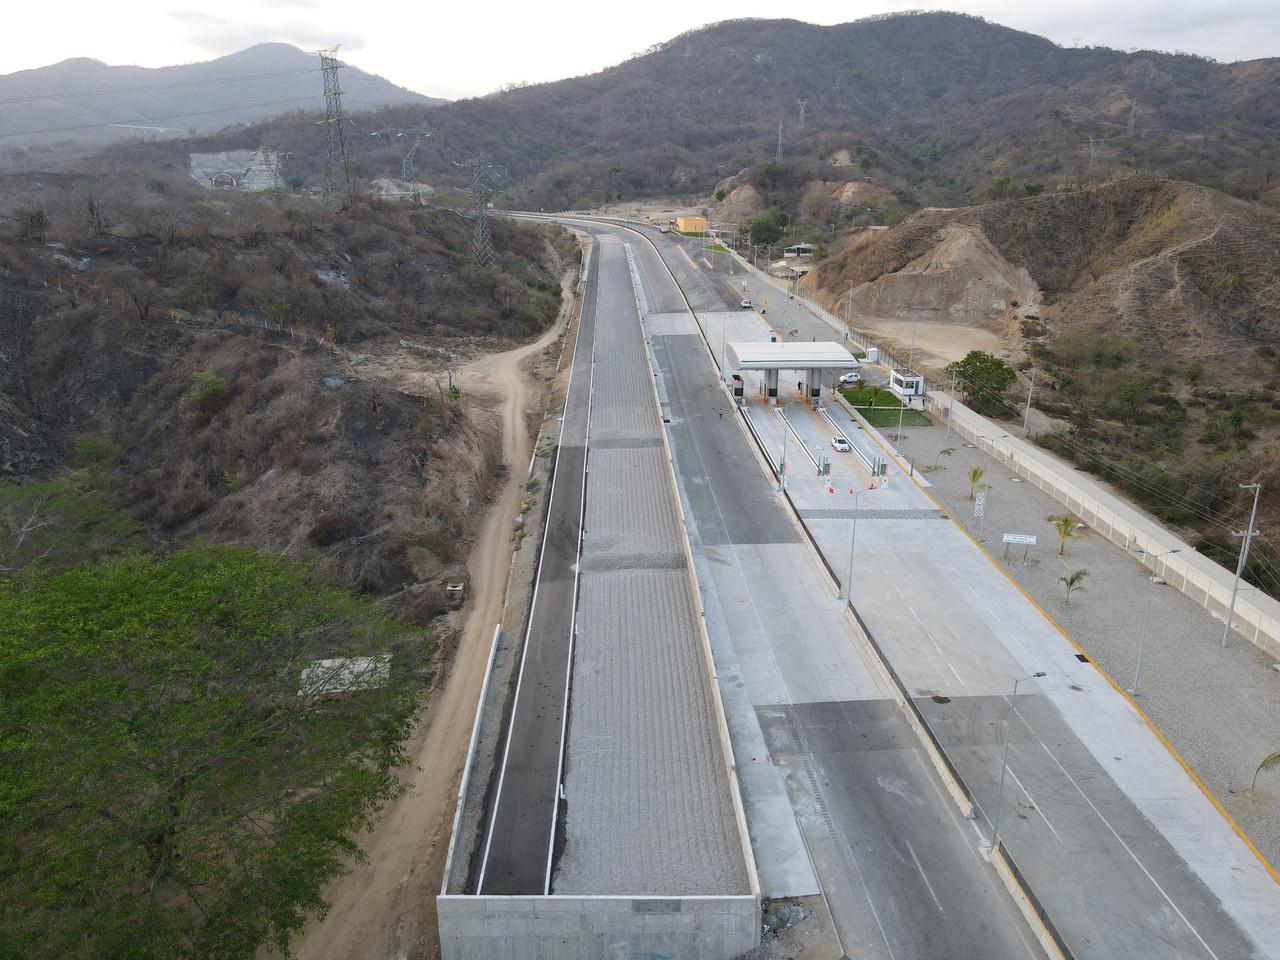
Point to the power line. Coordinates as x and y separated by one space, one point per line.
141 120
177 84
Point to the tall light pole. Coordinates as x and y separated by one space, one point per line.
853 540
1026 416
911 362
1248 536
782 468
1146 619
1004 765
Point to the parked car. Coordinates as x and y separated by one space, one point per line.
841 444
746 304
853 376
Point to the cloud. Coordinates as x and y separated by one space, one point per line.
217 36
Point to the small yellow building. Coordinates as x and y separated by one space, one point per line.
693 224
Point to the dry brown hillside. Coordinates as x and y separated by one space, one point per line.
1150 309
259 369
1185 272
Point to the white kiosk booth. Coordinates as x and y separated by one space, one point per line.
806 359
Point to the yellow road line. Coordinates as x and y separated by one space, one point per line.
1266 864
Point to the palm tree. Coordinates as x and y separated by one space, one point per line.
1073 581
975 482
1066 528
1267 763
944 452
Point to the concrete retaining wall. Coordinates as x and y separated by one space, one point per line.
586 928
1257 616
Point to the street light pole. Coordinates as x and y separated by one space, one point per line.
782 470
1248 536
1004 765
853 540
1146 620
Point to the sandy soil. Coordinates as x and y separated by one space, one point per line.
385 908
937 344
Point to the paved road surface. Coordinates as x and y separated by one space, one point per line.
516 854
898 865
1129 856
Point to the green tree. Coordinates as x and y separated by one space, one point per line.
1072 582
180 777
766 227
984 379
1065 527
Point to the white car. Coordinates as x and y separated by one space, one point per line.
853 376
841 444
746 304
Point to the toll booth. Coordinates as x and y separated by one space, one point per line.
808 361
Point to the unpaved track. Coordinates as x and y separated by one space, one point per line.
385 909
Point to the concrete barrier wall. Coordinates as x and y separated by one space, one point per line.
1257 616
587 928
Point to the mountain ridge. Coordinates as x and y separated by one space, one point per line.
71 99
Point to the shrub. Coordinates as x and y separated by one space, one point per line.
209 394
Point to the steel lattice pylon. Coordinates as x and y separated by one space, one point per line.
408 152
335 158
483 176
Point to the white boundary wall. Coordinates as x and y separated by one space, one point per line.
1257 616
587 928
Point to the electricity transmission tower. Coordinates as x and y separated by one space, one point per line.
777 157
483 177
410 140
335 157
803 104
1093 144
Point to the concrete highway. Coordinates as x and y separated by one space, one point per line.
517 848
1130 858
839 795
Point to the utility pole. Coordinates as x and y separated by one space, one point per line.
1004 763
1026 416
483 174
335 157
1247 536
803 104
777 157
951 406
848 311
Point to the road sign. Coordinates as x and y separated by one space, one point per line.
979 503
1023 538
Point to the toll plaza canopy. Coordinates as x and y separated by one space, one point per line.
761 355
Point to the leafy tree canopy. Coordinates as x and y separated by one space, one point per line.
767 227
173 784
984 379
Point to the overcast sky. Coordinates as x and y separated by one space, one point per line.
461 49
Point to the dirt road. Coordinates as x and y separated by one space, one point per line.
385 909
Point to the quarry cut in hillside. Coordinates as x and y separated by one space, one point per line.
1182 272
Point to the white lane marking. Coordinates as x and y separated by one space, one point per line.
925 877
1127 849
1032 801
957 673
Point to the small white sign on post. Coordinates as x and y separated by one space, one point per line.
1023 538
